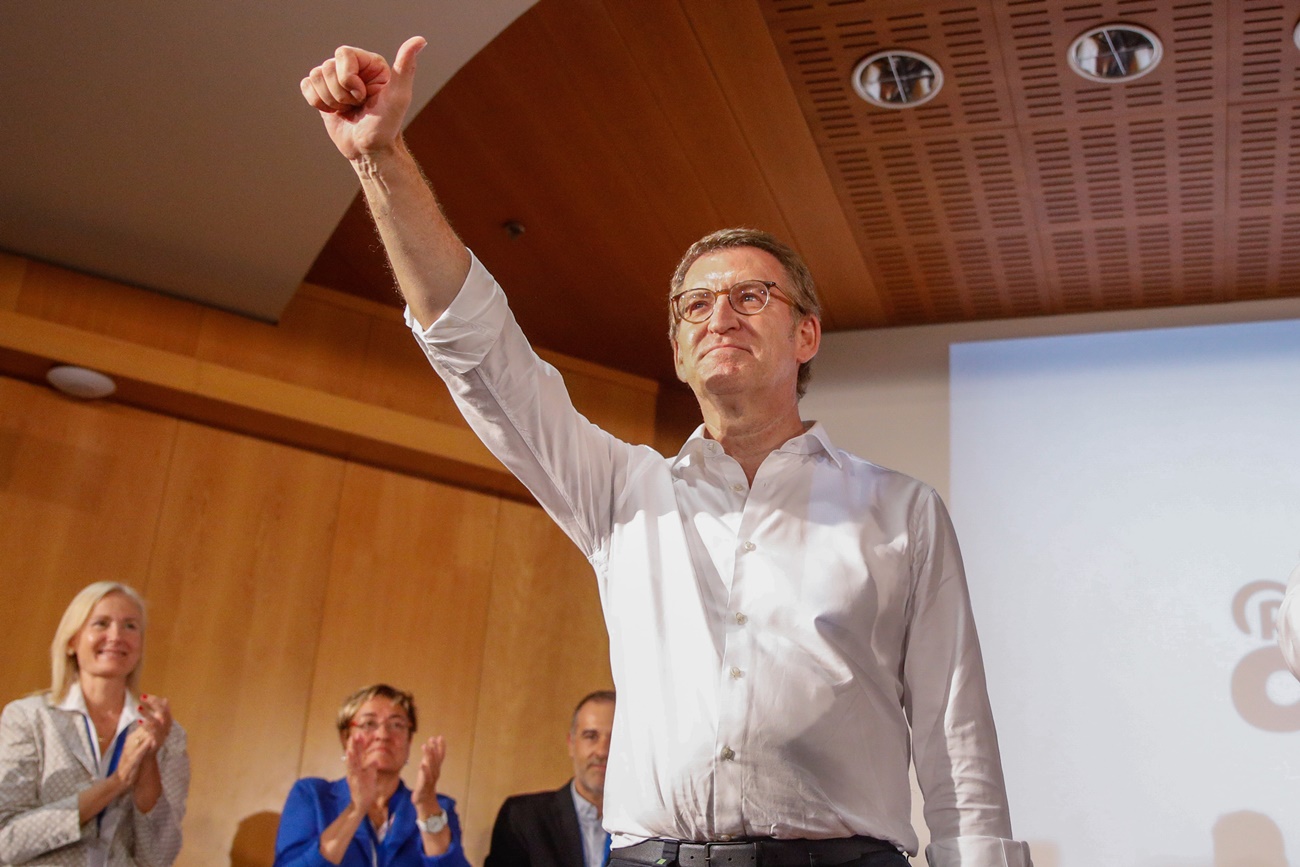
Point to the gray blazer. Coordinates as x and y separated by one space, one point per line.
45 762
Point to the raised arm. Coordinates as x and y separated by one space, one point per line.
363 101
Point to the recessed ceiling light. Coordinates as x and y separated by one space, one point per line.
1115 53
897 78
80 382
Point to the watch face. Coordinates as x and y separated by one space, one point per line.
434 824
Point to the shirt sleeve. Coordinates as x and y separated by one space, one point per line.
455 854
297 841
28 827
519 407
158 832
946 699
1288 624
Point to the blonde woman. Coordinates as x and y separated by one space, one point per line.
93 772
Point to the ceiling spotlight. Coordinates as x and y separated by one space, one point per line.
80 382
897 78
1115 53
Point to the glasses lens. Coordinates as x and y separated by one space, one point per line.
695 305
749 297
392 726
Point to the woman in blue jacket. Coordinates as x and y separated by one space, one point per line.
370 818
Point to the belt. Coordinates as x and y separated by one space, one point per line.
753 853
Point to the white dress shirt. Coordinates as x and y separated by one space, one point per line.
769 644
1288 624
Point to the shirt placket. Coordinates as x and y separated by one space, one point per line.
731 760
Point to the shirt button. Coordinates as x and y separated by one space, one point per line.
736 673
741 618
749 546
738 488
728 754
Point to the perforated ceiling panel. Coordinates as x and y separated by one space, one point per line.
1023 188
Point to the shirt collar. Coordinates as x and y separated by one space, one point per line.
587 812
75 701
813 440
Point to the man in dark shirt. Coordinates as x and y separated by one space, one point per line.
562 828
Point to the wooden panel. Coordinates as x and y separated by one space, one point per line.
546 648
543 155
256 404
12 271
741 54
81 488
315 344
395 374
236 588
409 585
104 307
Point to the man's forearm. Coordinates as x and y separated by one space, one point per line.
428 259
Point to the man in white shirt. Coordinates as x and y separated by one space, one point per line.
788 623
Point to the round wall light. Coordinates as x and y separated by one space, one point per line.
897 78
1115 53
80 382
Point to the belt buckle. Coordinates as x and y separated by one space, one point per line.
731 854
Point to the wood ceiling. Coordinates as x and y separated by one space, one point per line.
618 131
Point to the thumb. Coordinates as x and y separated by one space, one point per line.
404 62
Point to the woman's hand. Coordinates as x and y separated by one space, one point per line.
363 776
425 795
141 744
156 719
156 716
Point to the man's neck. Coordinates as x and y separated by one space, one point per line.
749 432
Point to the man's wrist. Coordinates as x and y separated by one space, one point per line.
371 164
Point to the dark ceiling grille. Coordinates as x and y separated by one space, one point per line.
821 43
1269 60
1042 190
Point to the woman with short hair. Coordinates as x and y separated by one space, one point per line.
369 818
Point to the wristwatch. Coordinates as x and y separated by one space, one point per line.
433 824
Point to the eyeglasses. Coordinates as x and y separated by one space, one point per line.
393 726
746 298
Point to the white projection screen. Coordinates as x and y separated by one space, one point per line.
1129 510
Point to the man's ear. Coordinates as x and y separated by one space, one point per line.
677 358
808 337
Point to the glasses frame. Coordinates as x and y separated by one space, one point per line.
393 725
769 285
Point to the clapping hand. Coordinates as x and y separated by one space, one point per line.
425 795
156 717
363 776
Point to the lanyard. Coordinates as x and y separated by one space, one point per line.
118 743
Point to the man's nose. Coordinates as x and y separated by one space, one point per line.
723 317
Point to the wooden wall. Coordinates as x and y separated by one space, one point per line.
281 575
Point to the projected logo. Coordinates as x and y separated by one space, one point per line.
1263 690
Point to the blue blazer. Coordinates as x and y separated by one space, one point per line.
314 803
